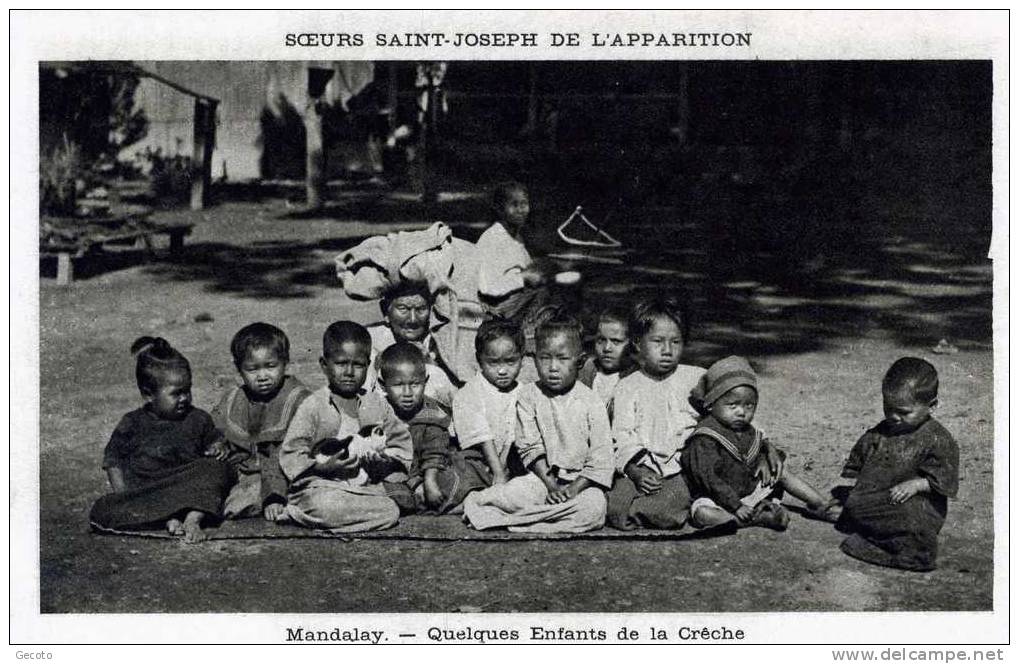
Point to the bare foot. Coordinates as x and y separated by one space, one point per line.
175 527
273 511
193 532
707 516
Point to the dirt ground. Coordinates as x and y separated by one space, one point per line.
821 333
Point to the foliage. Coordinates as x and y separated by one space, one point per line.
59 172
92 106
170 175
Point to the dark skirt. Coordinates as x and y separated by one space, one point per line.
531 306
882 533
467 471
200 485
629 509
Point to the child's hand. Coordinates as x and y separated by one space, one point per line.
558 496
433 494
646 480
370 456
744 513
533 276
366 447
219 450
273 511
770 466
903 491
336 464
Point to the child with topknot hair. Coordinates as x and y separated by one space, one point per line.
157 458
906 468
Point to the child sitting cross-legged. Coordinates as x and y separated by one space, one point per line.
735 474
157 458
430 480
254 417
651 420
564 441
341 443
485 409
906 468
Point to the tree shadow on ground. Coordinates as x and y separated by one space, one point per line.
386 207
759 280
757 302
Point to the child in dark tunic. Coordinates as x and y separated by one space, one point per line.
430 482
254 417
906 469
156 458
735 473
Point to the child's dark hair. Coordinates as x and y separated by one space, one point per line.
560 323
918 376
259 335
497 328
400 353
155 359
614 314
344 331
646 312
501 193
402 289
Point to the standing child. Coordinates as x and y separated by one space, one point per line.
485 410
651 420
564 440
510 285
611 361
430 480
341 490
734 472
156 458
254 417
906 469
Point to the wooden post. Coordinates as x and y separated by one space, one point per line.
392 98
429 140
315 160
177 239
845 113
683 105
531 127
65 269
201 154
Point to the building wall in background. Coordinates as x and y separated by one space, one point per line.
259 130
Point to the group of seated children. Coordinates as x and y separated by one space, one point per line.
629 437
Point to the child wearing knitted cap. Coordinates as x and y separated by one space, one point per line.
733 470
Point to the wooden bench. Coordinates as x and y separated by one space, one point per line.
67 252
